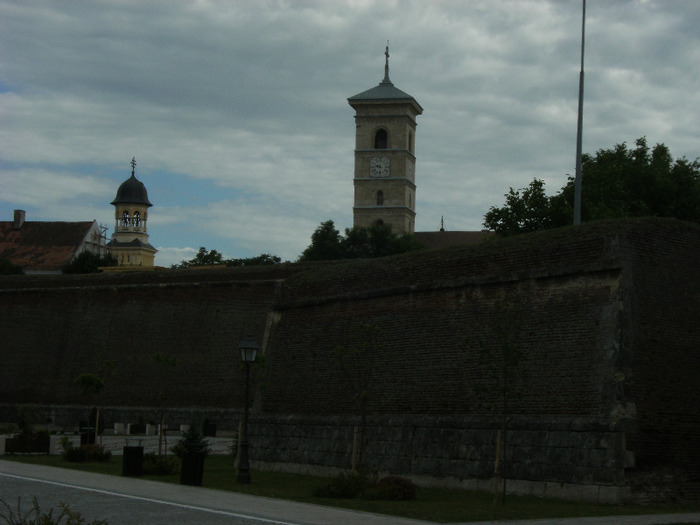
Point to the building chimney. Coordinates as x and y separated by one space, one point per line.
19 219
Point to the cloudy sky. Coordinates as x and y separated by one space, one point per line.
237 113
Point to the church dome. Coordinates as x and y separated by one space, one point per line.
132 191
385 92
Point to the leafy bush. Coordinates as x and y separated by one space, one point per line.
392 488
7 268
348 485
191 440
9 428
35 517
84 453
160 465
88 262
363 484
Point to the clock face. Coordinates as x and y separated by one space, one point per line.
379 167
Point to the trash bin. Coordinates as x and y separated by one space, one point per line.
132 462
209 429
192 469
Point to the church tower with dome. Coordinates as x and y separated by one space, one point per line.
385 157
129 244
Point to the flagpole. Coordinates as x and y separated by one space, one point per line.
579 132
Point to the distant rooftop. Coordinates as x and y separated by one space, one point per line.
41 246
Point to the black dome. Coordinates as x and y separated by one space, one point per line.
132 191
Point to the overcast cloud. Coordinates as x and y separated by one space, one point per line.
237 111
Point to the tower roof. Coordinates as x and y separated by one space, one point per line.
132 190
385 92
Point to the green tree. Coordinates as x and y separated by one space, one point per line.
91 385
616 182
526 210
261 260
88 262
7 268
377 240
502 378
326 244
358 360
206 257
165 362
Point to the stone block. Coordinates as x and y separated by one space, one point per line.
580 492
553 489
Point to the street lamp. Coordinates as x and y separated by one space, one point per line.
248 348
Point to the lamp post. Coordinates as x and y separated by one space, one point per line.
248 348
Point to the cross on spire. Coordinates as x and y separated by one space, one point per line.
133 165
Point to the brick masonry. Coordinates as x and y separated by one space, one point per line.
594 330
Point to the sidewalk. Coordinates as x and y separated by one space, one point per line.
104 497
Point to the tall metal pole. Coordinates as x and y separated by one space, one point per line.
243 464
579 134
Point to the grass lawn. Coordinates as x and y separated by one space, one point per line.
440 505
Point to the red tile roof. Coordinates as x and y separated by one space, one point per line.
41 246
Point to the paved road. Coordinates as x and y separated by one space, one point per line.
133 501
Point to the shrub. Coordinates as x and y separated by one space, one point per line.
160 465
363 484
191 441
84 453
348 485
35 517
392 488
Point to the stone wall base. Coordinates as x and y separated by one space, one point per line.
519 487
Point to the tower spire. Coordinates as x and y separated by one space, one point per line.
386 65
133 166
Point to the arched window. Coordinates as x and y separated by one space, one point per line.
410 141
125 218
381 139
137 219
380 198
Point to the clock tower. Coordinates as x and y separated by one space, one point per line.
385 159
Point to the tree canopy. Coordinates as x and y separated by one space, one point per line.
7 268
616 182
206 257
88 262
377 240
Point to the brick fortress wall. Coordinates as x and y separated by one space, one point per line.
603 346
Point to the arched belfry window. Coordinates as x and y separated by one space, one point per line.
125 218
137 219
380 198
381 139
